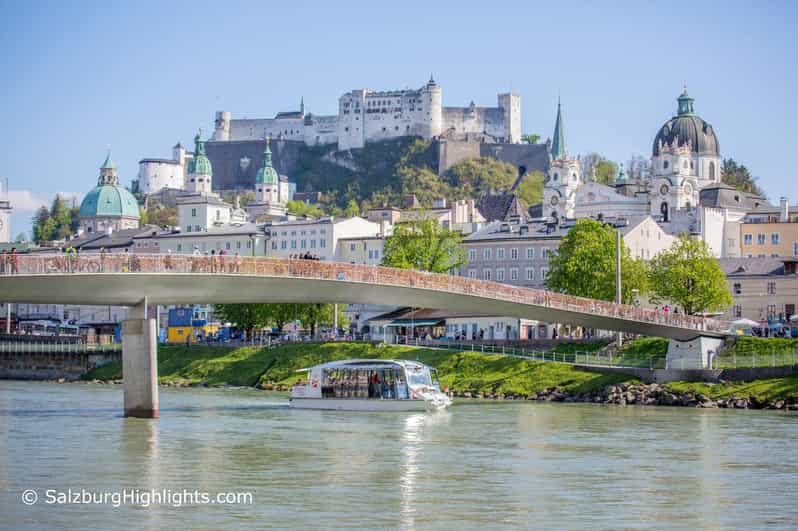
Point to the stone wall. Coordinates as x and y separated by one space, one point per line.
529 157
51 365
696 375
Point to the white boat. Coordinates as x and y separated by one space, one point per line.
369 385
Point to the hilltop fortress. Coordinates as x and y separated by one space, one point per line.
367 116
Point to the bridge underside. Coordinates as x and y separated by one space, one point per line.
130 289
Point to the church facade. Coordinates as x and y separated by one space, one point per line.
679 186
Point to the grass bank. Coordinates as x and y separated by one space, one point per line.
460 371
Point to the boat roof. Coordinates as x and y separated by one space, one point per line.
368 364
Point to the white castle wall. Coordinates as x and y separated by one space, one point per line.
368 116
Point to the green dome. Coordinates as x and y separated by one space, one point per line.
267 174
109 201
200 164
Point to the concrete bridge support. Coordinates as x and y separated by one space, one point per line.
696 353
140 363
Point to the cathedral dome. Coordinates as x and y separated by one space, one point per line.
200 165
108 198
687 128
109 201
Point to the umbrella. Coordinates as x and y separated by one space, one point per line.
794 318
744 323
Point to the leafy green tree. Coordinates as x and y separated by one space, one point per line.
245 316
352 209
300 208
58 222
530 138
689 276
161 216
424 245
530 190
315 315
738 176
606 171
584 264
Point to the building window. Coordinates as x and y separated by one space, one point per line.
352 247
188 229
530 273
500 275
283 244
486 254
738 288
500 254
760 239
274 244
712 171
238 244
795 248
486 274
530 253
544 253
513 254
748 239
774 238
293 244
472 254
543 272
771 311
771 288
322 244
738 310
513 273
472 273
303 244
193 212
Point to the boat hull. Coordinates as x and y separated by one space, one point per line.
354 404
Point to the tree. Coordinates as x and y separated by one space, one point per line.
599 168
530 138
161 216
245 316
738 176
530 190
423 245
584 264
58 222
689 276
300 208
352 209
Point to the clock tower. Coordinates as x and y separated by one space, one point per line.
563 177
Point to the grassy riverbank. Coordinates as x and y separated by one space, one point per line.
461 371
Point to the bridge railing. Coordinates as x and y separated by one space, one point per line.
315 269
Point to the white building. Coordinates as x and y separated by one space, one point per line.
369 116
247 240
5 217
157 174
318 237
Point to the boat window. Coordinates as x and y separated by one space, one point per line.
363 383
418 377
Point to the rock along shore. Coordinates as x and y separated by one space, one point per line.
622 394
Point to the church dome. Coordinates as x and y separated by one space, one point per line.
687 128
200 165
109 201
267 174
108 198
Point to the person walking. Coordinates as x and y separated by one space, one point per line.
14 261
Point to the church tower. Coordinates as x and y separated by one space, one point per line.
563 176
268 202
200 172
5 217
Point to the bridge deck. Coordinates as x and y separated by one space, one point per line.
180 279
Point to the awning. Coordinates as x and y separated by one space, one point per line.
415 322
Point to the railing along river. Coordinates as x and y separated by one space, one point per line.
315 269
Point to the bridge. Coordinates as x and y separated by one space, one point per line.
139 280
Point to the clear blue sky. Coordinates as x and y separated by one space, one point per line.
140 76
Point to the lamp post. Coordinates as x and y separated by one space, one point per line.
618 276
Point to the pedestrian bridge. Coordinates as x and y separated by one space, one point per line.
138 280
128 280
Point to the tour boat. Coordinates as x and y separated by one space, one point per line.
369 385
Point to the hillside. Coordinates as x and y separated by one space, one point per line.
384 172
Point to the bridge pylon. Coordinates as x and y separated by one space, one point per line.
140 363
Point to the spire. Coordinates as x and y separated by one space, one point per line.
685 102
108 173
558 144
302 105
267 154
109 162
431 79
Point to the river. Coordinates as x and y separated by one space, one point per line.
498 464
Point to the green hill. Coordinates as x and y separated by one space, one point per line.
385 172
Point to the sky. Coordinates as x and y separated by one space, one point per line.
140 76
